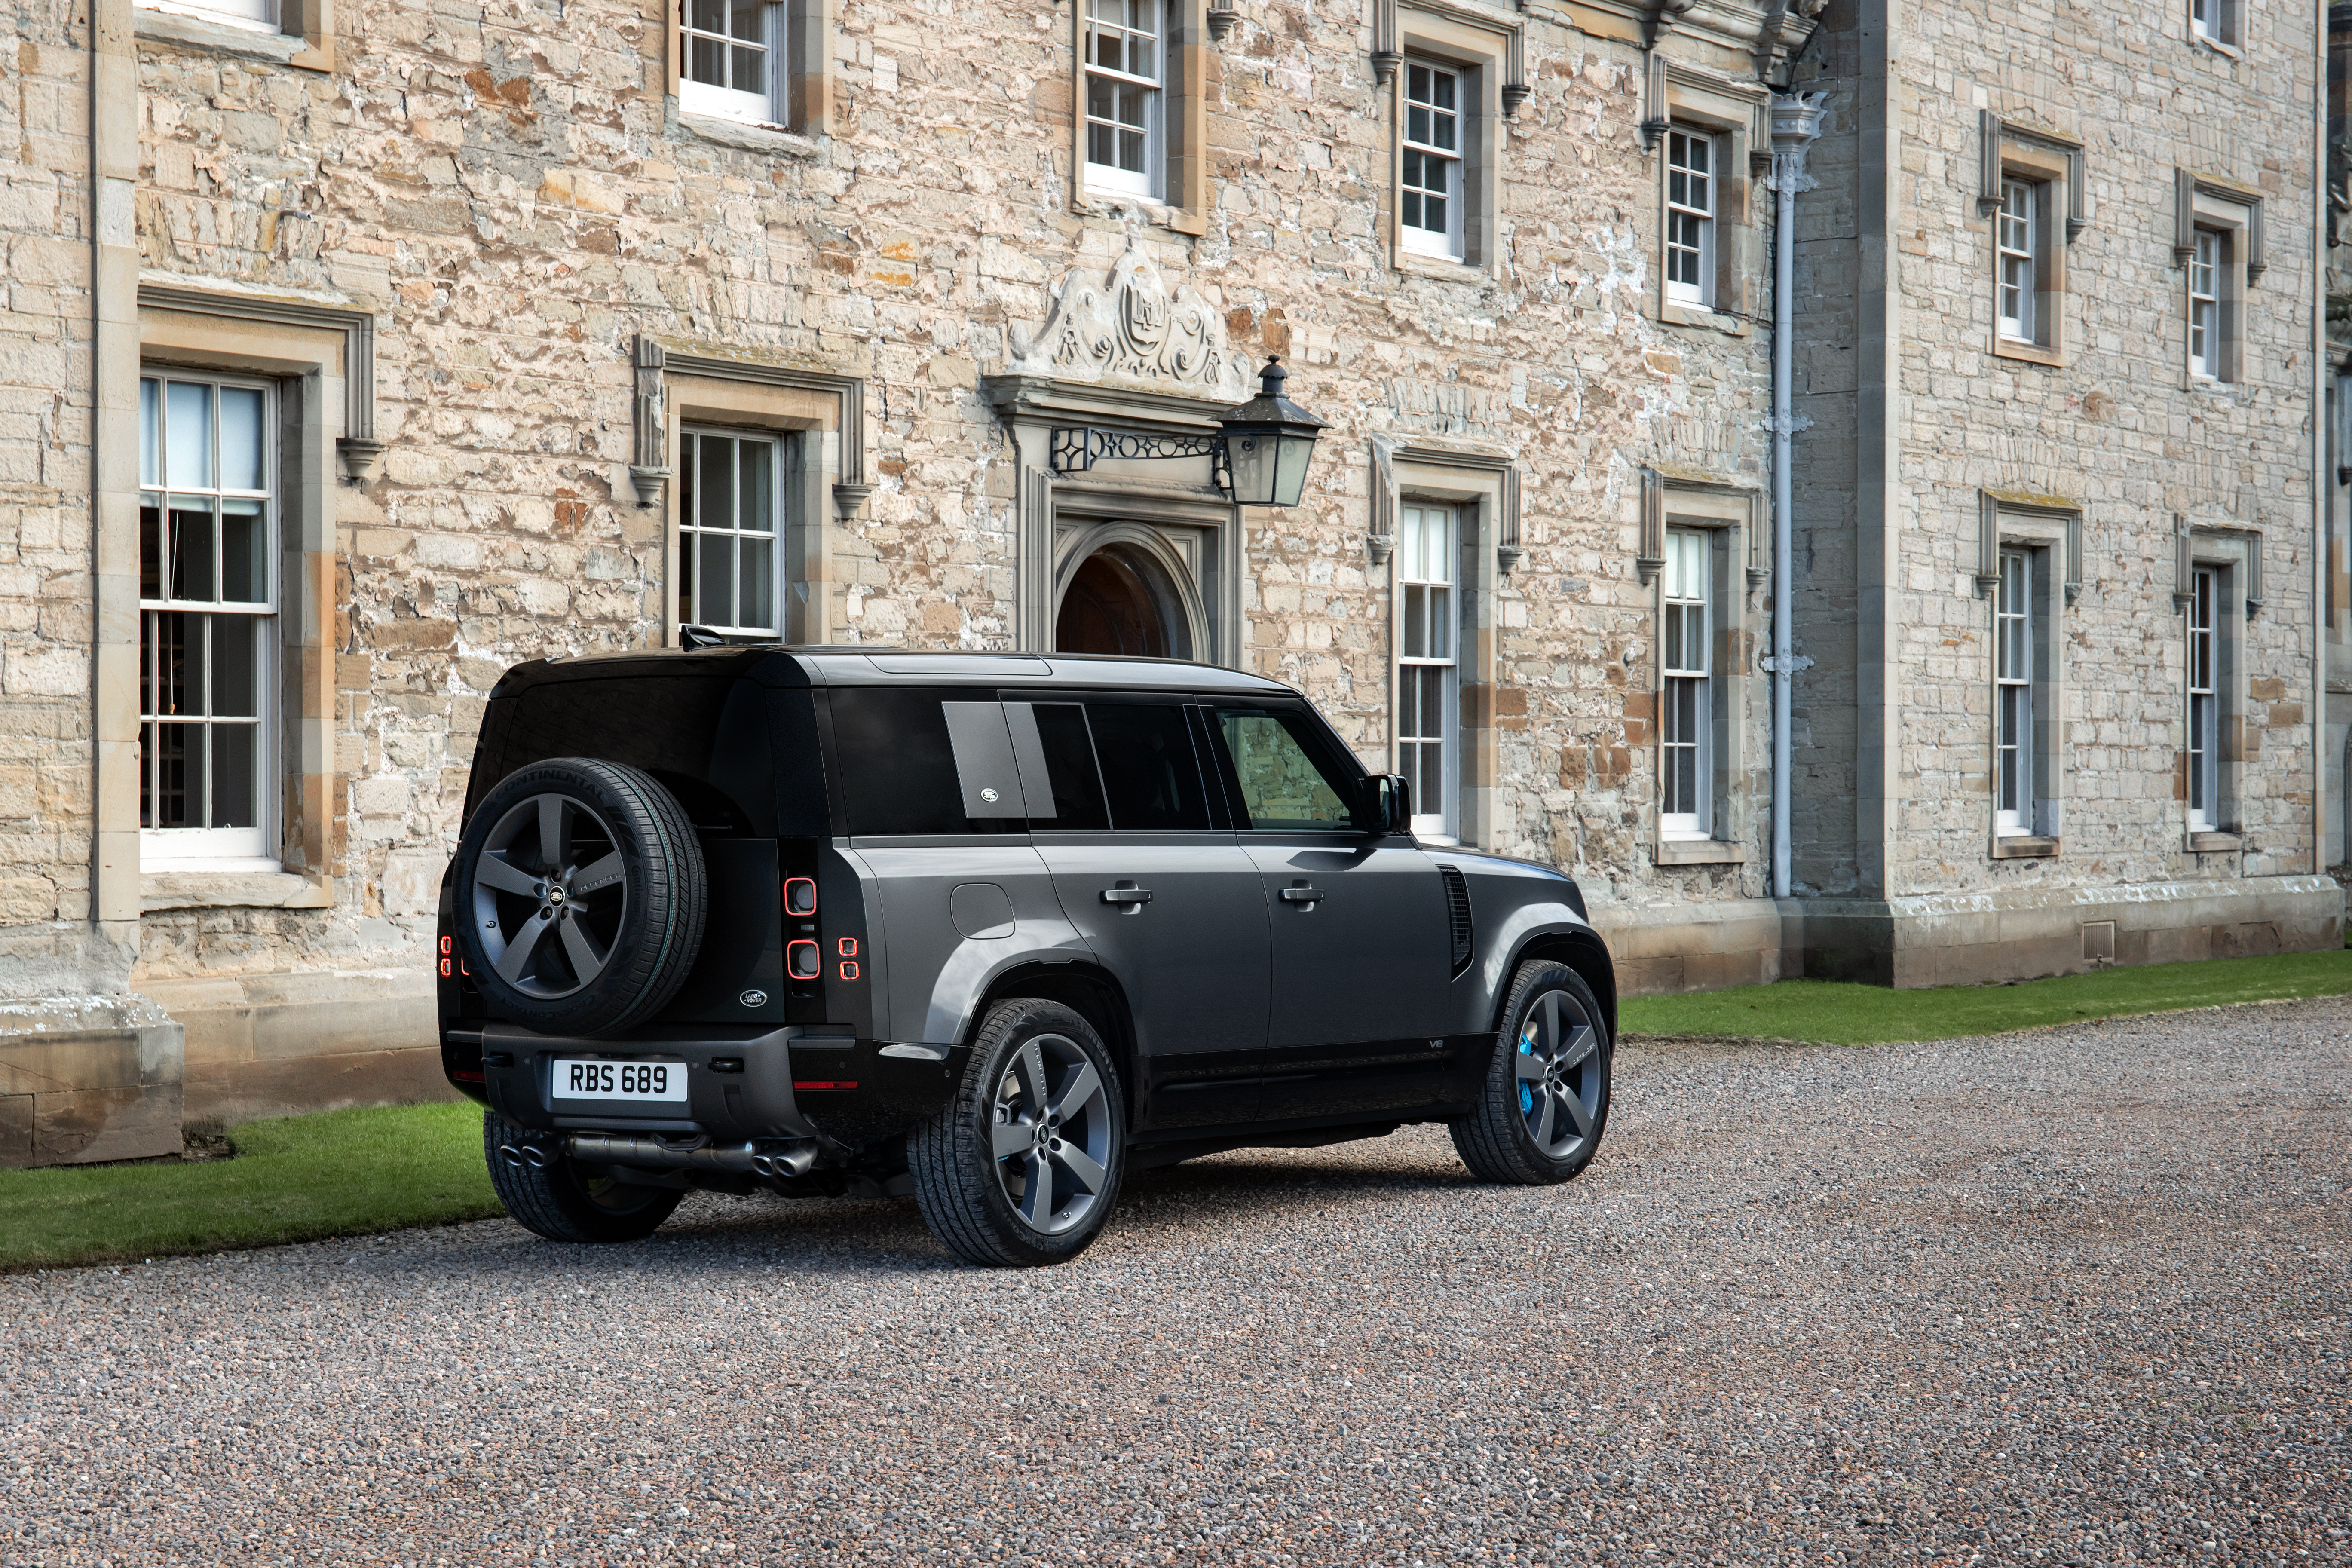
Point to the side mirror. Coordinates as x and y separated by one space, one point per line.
1387 803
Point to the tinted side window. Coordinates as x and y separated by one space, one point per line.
897 766
1288 779
1069 752
1149 769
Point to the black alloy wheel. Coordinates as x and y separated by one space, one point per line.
581 897
1544 1103
1023 1166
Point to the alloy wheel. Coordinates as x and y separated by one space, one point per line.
549 895
1561 1074
1051 1131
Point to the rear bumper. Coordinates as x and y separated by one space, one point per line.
743 1083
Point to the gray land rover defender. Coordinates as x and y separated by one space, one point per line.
990 929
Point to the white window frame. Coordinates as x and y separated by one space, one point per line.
2014 677
694 528
2016 262
1691 215
1438 122
1116 179
2204 714
2215 22
2209 262
1429 674
254 16
252 848
1687 686
760 106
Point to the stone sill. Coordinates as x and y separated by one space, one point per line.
195 890
1679 315
1698 852
2032 353
2024 847
2215 843
216 37
1443 268
751 138
1118 205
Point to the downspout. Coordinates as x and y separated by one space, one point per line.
1796 120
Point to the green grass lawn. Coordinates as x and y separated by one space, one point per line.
300 1178
1835 1013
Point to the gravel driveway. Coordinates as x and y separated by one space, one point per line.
2073 1296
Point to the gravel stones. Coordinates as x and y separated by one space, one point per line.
2078 1295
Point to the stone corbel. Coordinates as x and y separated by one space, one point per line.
1654 119
648 457
2074 559
1380 543
2184 566
1651 560
1987 543
1514 72
1388 51
1221 21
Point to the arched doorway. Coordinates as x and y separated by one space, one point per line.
1120 601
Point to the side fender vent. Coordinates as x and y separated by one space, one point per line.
1457 914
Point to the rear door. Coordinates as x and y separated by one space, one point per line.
1127 821
1357 921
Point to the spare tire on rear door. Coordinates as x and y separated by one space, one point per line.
580 897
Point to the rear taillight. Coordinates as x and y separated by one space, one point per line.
801 961
799 898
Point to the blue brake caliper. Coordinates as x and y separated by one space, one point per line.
1527 1048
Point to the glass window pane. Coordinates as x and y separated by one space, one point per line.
191 530
748 70
150 547
759 562
716 555
1284 781
178 762
705 61
236 666
1440 623
245 560
747 20
756 469
236 776
151 432
1150 776
1070 769
243 441
188 434
718 487
1416 621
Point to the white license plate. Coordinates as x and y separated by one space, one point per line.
625 1083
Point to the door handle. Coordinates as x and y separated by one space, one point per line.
1126 895
1302 894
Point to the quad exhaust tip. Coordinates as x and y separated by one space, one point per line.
521 1154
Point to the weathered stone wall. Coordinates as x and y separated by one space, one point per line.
2116 429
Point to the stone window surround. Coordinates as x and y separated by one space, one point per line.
2051 530
1184 121
1485 46
1732 113
2202 202
806 38
2053 165
1483 487
2235 551
305 36
683 384
2229 37
322 360
1731 515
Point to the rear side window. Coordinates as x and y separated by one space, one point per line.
1150 775
1065 753
897 763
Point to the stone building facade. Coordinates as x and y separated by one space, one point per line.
354 351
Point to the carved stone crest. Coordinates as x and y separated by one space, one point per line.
1130 327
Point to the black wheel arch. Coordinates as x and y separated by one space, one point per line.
1581 950
1087 989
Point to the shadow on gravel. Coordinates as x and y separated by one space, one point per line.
820 1237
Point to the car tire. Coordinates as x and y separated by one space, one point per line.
557 1197
581 897
996 1179
1544 1102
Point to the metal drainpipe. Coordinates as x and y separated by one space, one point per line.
1796 120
